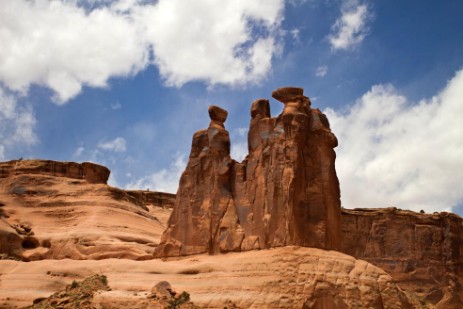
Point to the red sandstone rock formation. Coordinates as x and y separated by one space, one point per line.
153 198
56 210
285 192
91 172
286 277
422 252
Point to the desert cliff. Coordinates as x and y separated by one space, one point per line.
267 232
58 210
285 192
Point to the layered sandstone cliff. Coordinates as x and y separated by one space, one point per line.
91 172
422 252
57 210
285 192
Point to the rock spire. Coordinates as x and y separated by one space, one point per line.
285 192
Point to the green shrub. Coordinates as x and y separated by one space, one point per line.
183 298
104 279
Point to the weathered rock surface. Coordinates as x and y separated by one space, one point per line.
285 192
288 277
422 252
91 172
51 213
153 198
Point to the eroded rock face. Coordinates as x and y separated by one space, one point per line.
153 198
204 194
91 172
48 212
422 252
285 192
286 277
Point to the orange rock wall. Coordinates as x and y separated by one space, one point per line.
92 173
154 198
285 192
422 252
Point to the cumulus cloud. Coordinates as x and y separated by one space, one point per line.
219 42
17 123
61 46
65 45
239 144
321 71
351 28
396 153
117 145
165 180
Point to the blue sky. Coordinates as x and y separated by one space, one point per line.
127 83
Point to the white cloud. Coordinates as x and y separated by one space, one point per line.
219 42
17 124
116 106
239 151
117 145
394 153
351 28
321 71
295 33
64 45
61 46
239 144
79 151
165 180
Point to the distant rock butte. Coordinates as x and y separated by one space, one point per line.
285 192
91 172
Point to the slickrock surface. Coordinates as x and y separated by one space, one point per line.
55 217
422 252
285 192
288 277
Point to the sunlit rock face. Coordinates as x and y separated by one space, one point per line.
91 172
65 210
422 252
285 192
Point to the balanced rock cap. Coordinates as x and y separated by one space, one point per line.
285 94
218 114
260 107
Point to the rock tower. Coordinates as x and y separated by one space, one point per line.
285 192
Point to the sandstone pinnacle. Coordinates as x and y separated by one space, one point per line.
287 94
285 192
217 114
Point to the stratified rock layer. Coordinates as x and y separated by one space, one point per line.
91 172
422 252
288 277
57 210
285 192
